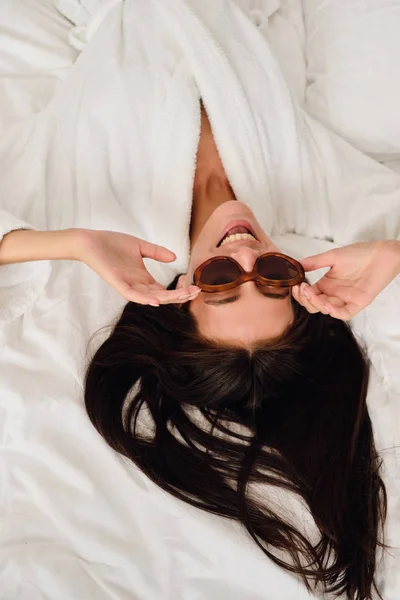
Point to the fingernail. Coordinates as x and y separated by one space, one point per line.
305 291
153 304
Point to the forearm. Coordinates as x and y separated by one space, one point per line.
26 245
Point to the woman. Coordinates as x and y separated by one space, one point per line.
225 386
231 375
225 400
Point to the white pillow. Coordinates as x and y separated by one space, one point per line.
353 71
285 33
35 56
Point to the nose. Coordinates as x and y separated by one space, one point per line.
245 256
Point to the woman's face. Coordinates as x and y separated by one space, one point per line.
245 314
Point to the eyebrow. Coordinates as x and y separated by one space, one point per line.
234 298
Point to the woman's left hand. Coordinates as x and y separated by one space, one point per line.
118 259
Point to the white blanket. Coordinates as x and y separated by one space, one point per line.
115 149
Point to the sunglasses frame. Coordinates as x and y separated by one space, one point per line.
249 276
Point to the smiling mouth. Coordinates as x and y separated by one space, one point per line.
250 231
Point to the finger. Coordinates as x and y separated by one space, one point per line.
316 299
180 295
295 293
303 300
299 296
333 306
334 301
156 252
344 313
140 293
138 298
318 261
143 282
145 292
319 299
155 286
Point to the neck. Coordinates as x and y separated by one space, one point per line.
205 200
211 186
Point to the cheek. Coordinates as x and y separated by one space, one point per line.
199 255
292 314
193 264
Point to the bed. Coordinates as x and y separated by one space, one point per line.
77 520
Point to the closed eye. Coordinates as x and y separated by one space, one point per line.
275 296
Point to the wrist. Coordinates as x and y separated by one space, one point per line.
82 240
398 256
392 249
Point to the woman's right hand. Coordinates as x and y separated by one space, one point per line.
118 259
358 273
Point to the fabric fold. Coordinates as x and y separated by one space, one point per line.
21 284
85 16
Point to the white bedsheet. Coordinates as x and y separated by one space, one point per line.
78 521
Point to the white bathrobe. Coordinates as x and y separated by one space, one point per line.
116 149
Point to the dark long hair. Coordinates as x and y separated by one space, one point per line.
211 423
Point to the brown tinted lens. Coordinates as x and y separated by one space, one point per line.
276 268
219 272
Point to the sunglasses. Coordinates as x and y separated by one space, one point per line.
222 273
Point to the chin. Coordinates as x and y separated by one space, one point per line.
237 206
233 209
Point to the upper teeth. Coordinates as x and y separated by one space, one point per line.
237 236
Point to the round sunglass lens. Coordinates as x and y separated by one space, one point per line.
277 268
220 272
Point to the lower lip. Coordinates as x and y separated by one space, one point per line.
236 224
